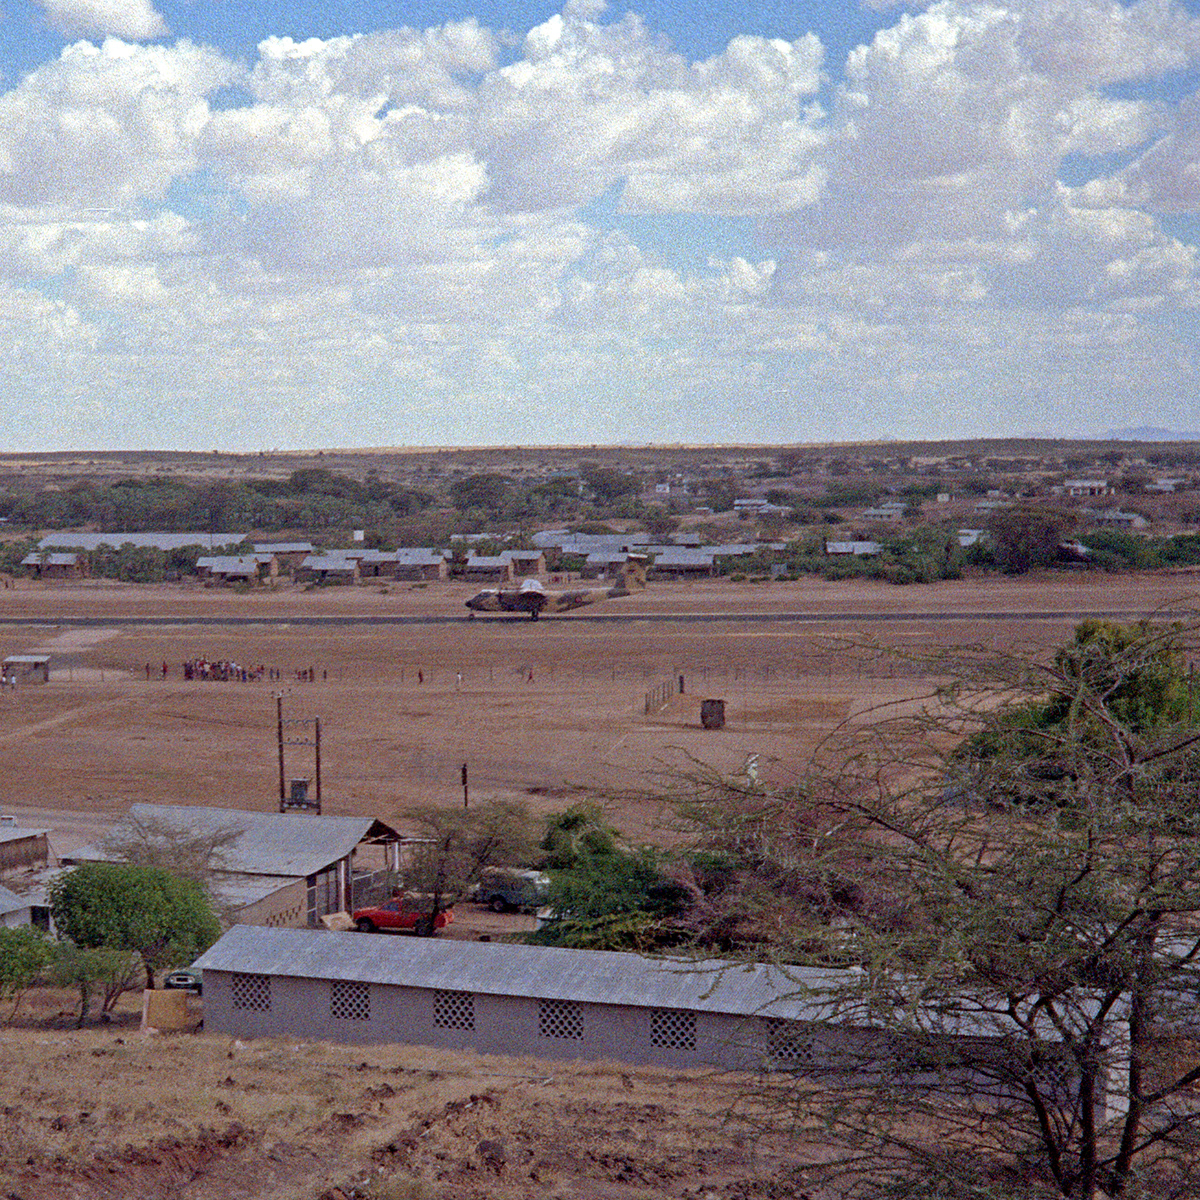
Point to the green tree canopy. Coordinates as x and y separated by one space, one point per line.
1027 536
147 910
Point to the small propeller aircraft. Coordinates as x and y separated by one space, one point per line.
532 598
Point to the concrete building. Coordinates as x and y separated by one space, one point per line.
559 1003
1081 487
22 849
327 568
237 568
678 563
378 564
526 562
289 555
415 563
1115 518
283 869
26 668
502 999
486 568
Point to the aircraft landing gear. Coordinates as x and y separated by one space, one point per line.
533 614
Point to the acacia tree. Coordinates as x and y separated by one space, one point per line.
145 910
457 846
1034 822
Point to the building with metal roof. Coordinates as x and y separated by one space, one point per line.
499 999
678 563
78 540
62 564
560 1003
280 868
23 849
416 562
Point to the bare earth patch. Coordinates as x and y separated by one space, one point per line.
103 1113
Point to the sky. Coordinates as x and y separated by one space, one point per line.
244 225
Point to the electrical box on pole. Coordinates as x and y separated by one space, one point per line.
294 794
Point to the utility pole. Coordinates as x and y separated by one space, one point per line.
298 798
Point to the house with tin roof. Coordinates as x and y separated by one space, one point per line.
281 869
61 564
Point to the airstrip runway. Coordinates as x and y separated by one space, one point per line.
408 689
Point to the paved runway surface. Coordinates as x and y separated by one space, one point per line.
680 618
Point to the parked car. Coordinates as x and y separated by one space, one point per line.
401 912
184 981
507 889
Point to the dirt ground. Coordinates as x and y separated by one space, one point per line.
541 711
109 1114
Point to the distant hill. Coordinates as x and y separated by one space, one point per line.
1148 433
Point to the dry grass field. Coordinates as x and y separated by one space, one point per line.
545 712
112 1115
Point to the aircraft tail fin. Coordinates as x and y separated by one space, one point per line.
633 573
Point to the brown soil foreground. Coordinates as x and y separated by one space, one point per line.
110 1114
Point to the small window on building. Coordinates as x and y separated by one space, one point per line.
349 1000
252 992
789 1044
673 1028
560 1019
454 1010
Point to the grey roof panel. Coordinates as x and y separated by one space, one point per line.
270 844
10 902
160 541
12 833
551 973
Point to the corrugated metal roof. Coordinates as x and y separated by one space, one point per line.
10 902
548 973
608 977
62 559
270 844
416 557
284 547
9 833
237 891
329 562
229 564
160 541
684 558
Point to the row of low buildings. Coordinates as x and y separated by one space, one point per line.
603 556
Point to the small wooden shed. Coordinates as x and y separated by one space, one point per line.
26 668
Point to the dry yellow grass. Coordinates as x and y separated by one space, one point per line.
111 1113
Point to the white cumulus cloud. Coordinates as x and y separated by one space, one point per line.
135 19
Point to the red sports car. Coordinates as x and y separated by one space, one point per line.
401 912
